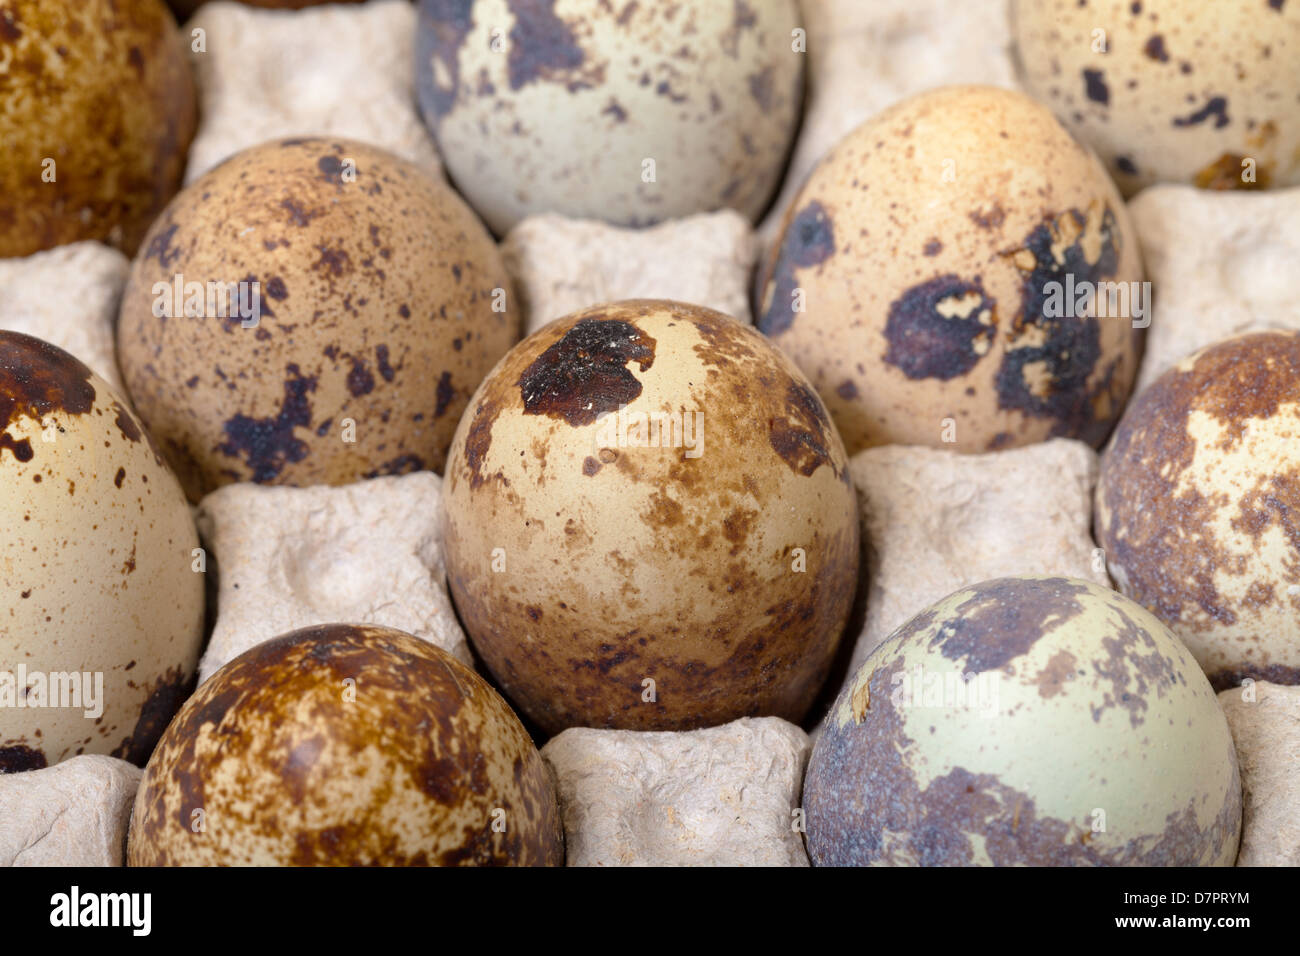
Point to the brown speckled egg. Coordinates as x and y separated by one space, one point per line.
383 303
1191 91
1198 500
623 111
345 745
96 115
913 278
103 614
649 523
1027 721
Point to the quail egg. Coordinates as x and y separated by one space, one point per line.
1026 721
960 273
345 745
628 112
312 311
1190 91
98 562
1196 505
98 113
649 524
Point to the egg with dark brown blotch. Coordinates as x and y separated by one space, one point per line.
345 745
1185 91
960 273
1026 721
1196 505
311 311
99 564
632 113
98 113
649 523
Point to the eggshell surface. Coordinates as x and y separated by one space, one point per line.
1196 500
383 302
1026 721
97 111
628 112
104 611
615 569
345 745
913 279
1190 91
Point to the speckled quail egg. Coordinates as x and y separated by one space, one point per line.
345 745
1197 503
1192 91
932 277
628 112
1026 721
649 523
381 302
105 611
96 115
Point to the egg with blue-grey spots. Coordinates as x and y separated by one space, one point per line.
1186 91
932 277
632 113
1034 721
313 310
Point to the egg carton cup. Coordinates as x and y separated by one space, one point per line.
561 265
722 796
1220 263
937 521
364 553
68 296
74 813
1265 723
342 71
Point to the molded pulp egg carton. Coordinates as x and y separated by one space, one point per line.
370 552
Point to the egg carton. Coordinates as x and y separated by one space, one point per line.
371 552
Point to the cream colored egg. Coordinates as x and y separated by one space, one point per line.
103 614
932 279
649 523
627 112
311 311
346 745
1197 503
1190 91
1026 721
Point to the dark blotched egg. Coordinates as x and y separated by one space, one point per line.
345 745
649 523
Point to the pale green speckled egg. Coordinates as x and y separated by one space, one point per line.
1028 720
628 112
